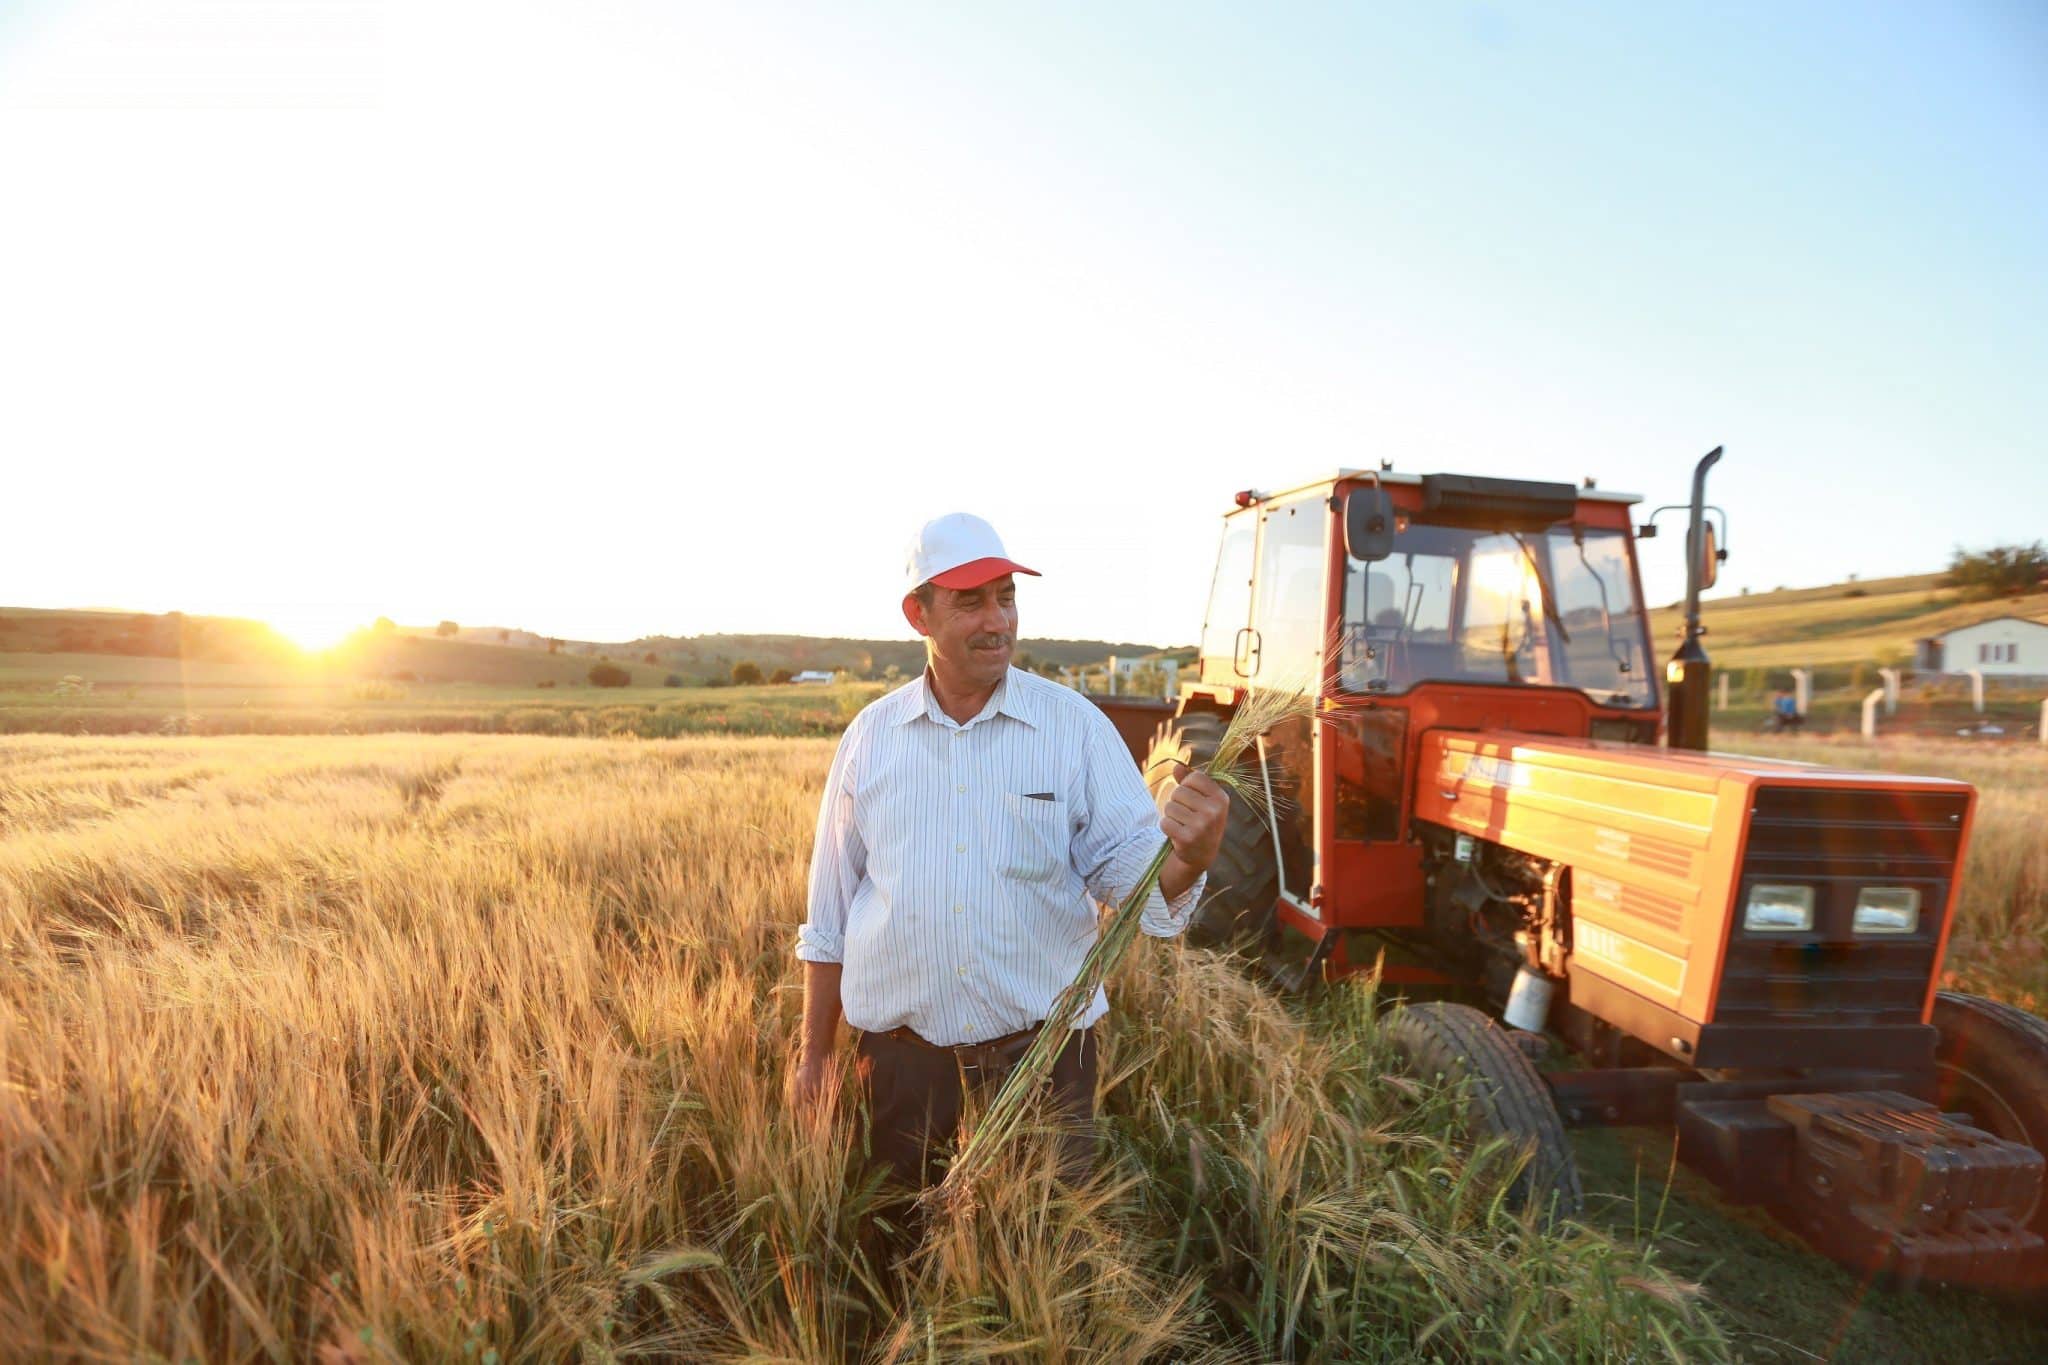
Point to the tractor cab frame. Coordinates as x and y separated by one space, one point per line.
1490 604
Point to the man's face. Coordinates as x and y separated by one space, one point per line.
971 632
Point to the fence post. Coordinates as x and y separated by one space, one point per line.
1977 689
1112 675
1802 689
1870 712
1722 683
1891 690
2044 720
1171 669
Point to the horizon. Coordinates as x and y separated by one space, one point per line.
589 320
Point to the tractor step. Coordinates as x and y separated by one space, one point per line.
1879 1180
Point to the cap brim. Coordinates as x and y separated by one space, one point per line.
976 572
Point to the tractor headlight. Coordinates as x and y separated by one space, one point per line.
1778 909
1887 909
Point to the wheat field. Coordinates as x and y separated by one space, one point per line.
471 1048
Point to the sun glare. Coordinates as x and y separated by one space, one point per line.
315 628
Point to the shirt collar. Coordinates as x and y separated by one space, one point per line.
1009 699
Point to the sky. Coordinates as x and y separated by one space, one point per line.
630 318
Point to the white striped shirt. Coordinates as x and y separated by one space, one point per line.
954 864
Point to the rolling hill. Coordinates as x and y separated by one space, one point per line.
38 647
1873 622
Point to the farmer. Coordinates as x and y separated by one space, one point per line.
970 821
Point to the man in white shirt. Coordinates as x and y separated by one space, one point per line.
971 820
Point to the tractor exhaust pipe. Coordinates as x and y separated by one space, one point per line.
1690 674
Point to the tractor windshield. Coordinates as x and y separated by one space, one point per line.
1555 607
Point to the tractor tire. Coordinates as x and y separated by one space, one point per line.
1992 1063
1236 909
1507 1099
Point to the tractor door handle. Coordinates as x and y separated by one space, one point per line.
1246 660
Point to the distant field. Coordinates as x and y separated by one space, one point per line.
229 705
1873 622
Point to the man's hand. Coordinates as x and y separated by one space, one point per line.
1193 818
813 1080
809 1088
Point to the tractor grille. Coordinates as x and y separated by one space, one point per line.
1839 842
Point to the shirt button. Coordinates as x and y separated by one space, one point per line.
959 971
961 787
959 848
959 909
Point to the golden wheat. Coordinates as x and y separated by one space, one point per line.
471 1047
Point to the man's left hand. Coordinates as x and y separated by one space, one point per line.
1193 817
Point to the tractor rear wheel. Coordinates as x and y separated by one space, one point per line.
1506 1098
1236 908
1992 1063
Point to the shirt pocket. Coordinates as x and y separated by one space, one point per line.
1032 844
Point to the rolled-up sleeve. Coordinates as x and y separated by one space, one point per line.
1121 835
839 860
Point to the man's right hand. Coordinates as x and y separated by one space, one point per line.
809 1087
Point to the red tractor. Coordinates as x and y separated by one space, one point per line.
1502 806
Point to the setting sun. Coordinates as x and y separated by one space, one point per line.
316 628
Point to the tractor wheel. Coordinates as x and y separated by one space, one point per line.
1507 1099
1236 908
1992 1064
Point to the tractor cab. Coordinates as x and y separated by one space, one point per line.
1379 582
1407 603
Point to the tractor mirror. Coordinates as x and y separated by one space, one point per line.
1710 556
1369 524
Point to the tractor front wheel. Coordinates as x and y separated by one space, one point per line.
1236 908
1992 1064
1505 1097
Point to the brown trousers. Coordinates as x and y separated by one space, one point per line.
915 1093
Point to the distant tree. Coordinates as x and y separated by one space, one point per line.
746 673
609 675
781 675
446 629
673 680
2001 571
650 657
554 645
545 682
504 636
383 625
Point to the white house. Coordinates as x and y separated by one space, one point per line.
812 675
2004 647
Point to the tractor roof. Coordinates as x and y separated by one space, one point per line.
1404 477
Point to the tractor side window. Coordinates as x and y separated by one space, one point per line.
1289 613
1596 602
1230 599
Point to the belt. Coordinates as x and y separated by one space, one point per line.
1007 1048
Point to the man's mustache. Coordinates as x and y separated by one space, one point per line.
989 641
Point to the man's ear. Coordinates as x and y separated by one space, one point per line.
913 612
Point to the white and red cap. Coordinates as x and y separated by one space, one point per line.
958 550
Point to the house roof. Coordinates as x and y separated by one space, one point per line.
1987 621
